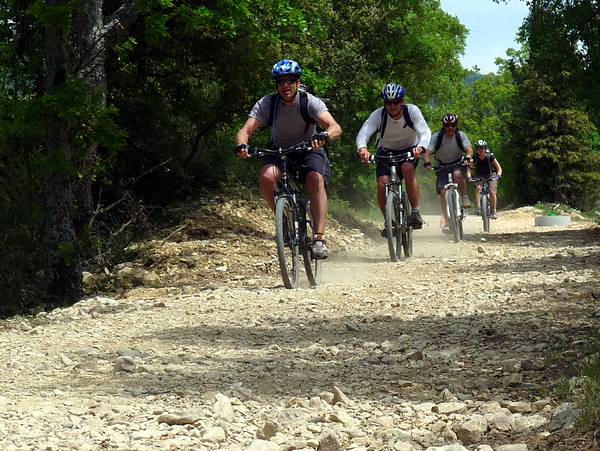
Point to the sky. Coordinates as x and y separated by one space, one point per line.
492 29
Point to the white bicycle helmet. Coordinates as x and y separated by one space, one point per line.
450 119
392 91
481 143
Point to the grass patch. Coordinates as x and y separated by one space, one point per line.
584 389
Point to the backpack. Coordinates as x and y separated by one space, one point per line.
275 99
383 123
440 137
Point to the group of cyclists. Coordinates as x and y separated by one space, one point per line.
295 115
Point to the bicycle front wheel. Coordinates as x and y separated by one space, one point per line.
392 227
452 204
407 230
286 237
312 265
485 213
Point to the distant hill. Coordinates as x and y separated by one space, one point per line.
472 78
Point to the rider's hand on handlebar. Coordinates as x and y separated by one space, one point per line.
363 155
241 150
419 150
319 140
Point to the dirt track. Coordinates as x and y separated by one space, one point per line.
452 349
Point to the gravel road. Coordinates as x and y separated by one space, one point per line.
453 349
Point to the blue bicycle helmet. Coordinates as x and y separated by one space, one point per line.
286 67
392 91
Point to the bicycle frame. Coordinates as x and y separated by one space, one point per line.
399 231
455 211
291 220
484 201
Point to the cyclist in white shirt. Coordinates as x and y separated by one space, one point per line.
401 128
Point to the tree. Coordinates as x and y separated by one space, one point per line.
75 53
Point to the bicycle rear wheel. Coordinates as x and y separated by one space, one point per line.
485 213
392 227
407 230
452 204
313 266
286 232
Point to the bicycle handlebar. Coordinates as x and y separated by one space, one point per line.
462 162
391 158
478 180
259 152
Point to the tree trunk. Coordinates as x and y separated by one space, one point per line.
89 54
69 200
63 271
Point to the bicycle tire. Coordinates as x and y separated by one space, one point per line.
287 242
452 202
392 228
407 230
485 213
312 266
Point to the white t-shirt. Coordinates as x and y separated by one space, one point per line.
397 135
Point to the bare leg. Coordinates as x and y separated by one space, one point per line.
315 186
477 193
269 176
381 181
412 186
493 200
459 178
443 207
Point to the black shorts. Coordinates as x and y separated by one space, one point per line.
316 161
442 175
382 169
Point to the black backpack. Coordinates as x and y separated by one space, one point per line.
303 109
383 122
440 137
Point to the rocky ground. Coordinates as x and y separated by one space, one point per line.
200 347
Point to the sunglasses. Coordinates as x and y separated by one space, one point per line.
393 102
449 125
286 81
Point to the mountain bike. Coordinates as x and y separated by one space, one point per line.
293 223
484 200
454 208
397 206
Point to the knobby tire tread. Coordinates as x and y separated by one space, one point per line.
312 266
407 234
392 206
284 214
485 213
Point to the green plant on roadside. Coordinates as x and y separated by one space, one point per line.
584 389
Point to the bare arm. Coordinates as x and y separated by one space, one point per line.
248 129
329 124
243 135
469 151
497 167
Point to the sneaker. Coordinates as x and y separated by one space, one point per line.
494 215
319 250
415 220
466 201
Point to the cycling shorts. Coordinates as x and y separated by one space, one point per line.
442 175
382 169
316 161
